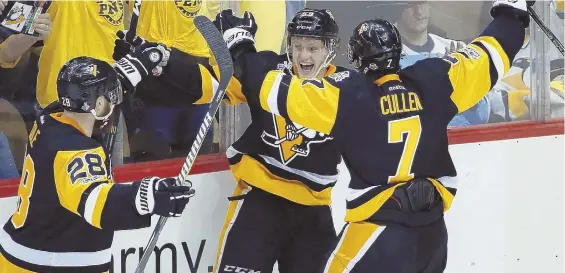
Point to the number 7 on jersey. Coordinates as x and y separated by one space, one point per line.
397 130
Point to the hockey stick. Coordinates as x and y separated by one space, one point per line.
546 30
223 59
109 139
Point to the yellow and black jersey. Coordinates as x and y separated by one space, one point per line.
394 129
80 28
67 205
171 23
275 154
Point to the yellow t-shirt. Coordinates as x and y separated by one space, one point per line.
171 23
80 28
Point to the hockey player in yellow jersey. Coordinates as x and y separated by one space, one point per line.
392 134
68 205
285 172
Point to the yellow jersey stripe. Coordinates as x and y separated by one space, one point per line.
366 210
255 174
445 194
356 240
497 54
269 92
95 204
234 91
231 216
209 86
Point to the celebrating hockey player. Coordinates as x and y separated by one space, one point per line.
285 172
68 206
391 134
396 202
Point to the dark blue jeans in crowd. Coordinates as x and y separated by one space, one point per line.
178 126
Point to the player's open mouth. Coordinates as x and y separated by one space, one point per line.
306 67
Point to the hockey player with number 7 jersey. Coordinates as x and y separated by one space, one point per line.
396 202
392 134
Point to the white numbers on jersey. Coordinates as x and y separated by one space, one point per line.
66 101
396 130
24 193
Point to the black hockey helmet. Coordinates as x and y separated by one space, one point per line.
315 23
376 46
319 23
82 80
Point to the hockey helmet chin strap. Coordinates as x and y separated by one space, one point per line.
330 47
114 97
105 117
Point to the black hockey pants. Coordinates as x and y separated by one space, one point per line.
262 228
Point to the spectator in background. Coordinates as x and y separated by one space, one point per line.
412 20
166 127
11 51
80 28
511 96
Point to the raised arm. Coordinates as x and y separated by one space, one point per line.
472 71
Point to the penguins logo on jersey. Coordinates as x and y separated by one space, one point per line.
292 139
111 10
188 8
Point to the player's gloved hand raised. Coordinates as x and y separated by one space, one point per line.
456 45
226 19
236 30
515 8
162 197
125 43
145 59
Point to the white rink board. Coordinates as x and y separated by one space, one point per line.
508 216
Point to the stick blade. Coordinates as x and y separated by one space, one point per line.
217 45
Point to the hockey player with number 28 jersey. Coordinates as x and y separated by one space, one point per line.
68 206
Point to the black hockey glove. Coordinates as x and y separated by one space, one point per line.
162 197
517 9
144 59
125 44
236 30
